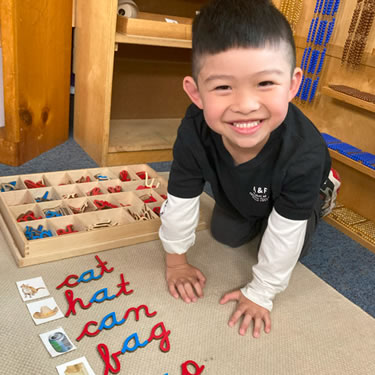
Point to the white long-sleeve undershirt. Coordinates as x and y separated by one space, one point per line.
278 254
179 219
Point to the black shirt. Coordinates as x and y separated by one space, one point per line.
286 174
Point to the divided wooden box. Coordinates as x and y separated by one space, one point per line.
67 193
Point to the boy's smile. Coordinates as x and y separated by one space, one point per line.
244 94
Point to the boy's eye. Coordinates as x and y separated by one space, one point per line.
265 83
222 87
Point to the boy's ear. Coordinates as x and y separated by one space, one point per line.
295 83
191 89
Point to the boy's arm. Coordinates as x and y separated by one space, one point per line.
179 219
279 251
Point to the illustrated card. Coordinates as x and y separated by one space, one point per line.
44 311
32 289
79 366
57 342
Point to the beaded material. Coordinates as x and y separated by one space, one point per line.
319 35
359 29
292 12
366 96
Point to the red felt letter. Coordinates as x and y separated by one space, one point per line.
72 303
102 266
164 343
103 351
86 332
122 287
66 282
185 370
136 312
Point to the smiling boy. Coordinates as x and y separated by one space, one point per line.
265 161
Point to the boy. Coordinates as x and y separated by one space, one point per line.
265 161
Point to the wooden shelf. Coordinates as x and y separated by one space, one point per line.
152 41
348 99
152 29
353 225
142 134
352 163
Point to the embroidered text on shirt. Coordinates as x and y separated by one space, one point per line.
259 194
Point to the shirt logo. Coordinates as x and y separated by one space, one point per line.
259 194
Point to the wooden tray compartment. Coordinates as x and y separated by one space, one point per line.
59 178
66 191
126 199
37 177
76 175
128 229
105 185
76 203
62 223
88 187
38 193
55 206
104 172
22 209
8 179
17 197
132 175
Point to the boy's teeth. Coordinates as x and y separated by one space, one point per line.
246 124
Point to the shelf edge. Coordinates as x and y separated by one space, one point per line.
152 41
348 99
352 163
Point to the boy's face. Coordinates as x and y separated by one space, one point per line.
244 93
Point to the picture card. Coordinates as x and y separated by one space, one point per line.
32 288
44 311
57 342
79 366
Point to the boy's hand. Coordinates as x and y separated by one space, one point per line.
251 311
183 280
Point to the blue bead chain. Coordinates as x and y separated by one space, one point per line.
318 37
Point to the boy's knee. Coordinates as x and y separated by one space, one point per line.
225 238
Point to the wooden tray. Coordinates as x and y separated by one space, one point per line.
127 230
155 25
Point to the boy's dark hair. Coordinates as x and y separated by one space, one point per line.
225 24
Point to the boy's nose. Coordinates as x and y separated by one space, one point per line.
245 103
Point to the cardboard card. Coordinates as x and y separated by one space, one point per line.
44 311
57 342
79 366
32 289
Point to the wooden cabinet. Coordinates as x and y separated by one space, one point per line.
128 94
36 52
349 119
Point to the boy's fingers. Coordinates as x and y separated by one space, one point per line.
189 291
257 327
245 324
230 297
172 290
198 288
267 324
181 290
233 320
201 278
